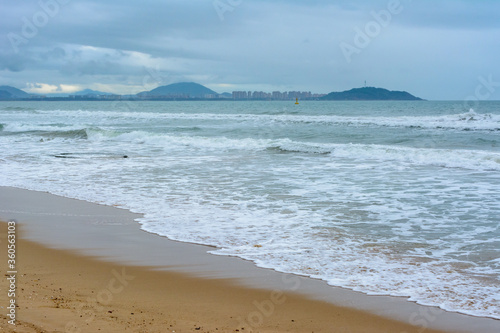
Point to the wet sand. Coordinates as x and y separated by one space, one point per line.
59 291
84 267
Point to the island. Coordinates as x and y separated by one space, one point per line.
191 91
370 94
180 90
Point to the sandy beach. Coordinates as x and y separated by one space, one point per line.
59 291
97 290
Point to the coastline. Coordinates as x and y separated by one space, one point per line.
83 232
60 291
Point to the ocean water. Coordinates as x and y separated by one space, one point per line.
388 198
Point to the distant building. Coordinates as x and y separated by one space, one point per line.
240 95
318 95
275 95
279 96
259 95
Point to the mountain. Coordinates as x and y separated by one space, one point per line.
370 94
86 92
7 92
226 95
181 89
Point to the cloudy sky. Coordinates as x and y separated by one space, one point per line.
435 49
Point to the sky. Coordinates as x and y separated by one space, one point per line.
437 50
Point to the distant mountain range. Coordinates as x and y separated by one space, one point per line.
7 92
181 89
191 90
85 92
370 94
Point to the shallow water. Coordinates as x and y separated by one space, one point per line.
399 198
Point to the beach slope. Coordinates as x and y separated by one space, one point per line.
60 291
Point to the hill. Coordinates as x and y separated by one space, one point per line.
226 95
181 89
7 92
370 94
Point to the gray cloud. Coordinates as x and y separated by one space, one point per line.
10 63
432 49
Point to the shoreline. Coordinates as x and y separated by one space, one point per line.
60 291
112 235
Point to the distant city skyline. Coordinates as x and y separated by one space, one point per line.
275 95
434 49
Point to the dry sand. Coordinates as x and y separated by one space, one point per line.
60 291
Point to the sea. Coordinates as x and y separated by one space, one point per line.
383 197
